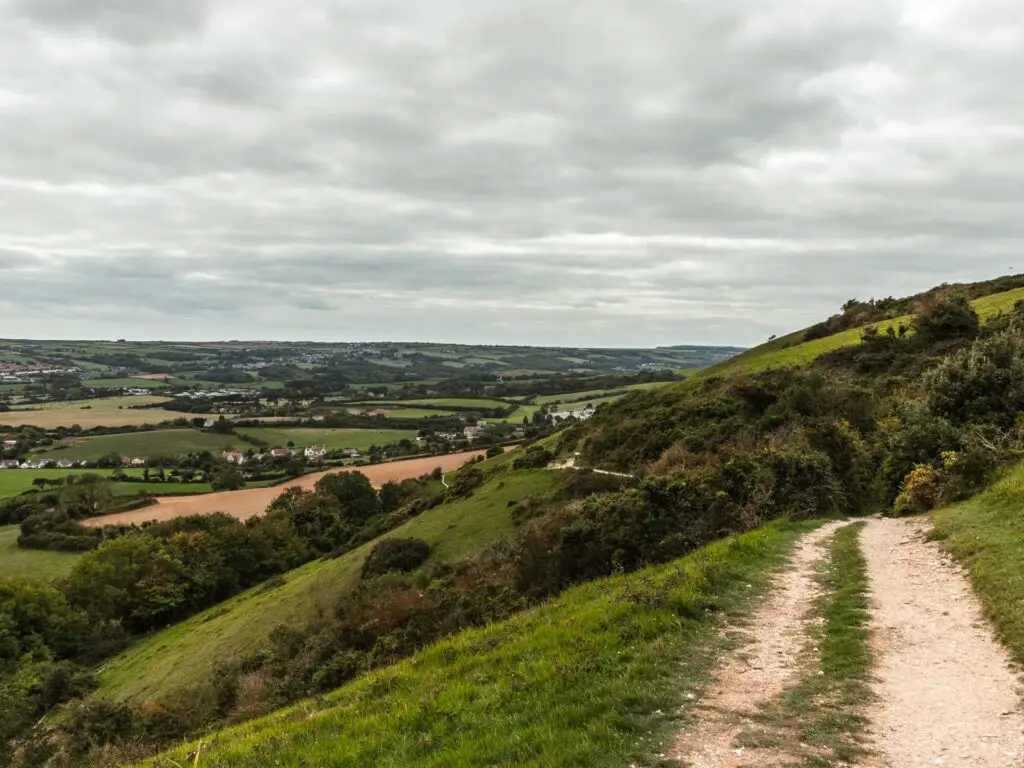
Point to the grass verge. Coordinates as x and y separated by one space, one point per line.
820 720
986 534
595 677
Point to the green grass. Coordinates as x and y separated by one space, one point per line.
31 563
412 413
143 445
188 652
450 403
333 439
820 720
16 481
986 534
596 677
776 354
134 383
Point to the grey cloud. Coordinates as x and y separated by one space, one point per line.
559 172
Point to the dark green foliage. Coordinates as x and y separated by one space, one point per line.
982 383
534 457
463 482
947 317
227 479
402 555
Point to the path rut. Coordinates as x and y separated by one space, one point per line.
947 692
761 670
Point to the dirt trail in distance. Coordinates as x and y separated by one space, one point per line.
948 694
761 670
251 502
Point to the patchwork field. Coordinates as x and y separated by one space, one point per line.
254 501
333 439
186 653
137 383
143 445
31 563
16 481
101 412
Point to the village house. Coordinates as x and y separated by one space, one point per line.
10 444
10 464
234 457
472 433
316 452
208 424
65 464
281 453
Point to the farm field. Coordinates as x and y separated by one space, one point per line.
143 445
412 413
14 482
254 501
186 653
31 563
138 383
333 439
453 403
776 354
100 412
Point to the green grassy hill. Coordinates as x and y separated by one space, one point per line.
789 352
31 563
597 677
186 653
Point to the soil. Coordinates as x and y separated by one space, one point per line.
947 692
761 670
252 502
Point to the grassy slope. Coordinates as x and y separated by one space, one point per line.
185 653
31 563
595 677
360 439
986 533
775 354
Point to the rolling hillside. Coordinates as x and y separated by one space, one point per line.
593 678
789 351
186 653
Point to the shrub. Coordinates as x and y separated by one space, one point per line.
396 555
534 457
947 317
920 492
495 450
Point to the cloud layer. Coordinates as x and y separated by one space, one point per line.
545 171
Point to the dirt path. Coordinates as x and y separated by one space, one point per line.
254 501
759 671
948 694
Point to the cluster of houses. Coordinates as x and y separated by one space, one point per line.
581 414
312 453
42 464
20 373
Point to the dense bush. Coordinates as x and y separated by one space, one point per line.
920 492
534 457
402 555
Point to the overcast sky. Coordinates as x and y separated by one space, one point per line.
586 172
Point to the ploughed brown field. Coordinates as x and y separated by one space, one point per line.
254 501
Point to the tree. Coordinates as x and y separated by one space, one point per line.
354 494
227 479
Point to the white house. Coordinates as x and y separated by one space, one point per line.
472 433
316 452
281 453
10 464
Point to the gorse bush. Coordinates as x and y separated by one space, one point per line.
920 492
